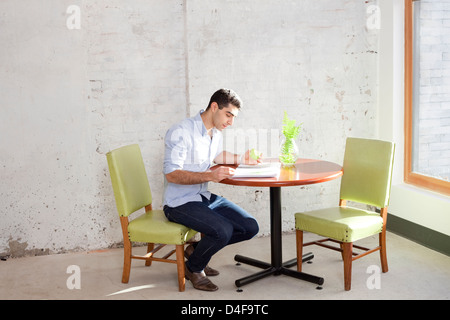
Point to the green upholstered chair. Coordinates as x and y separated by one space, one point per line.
367 179
132 193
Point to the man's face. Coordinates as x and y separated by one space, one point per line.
224 117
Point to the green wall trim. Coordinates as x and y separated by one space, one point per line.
427 237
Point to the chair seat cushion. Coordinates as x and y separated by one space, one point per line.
154 227
344 224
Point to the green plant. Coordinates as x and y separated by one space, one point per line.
290 131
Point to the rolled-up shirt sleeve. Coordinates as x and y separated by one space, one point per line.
176 149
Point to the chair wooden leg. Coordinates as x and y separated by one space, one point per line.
126 250
150 247
383 256
180 267
126 261
342 249
347 248
299 241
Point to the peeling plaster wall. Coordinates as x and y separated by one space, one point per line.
135 67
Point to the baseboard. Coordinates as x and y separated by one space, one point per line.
427 237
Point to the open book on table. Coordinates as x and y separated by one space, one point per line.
262 170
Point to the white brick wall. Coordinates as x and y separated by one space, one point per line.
432 148
134 68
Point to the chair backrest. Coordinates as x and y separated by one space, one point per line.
129 179
368 168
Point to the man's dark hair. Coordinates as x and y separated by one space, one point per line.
223 97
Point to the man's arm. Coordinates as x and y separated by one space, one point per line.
189 177
230 158
226 157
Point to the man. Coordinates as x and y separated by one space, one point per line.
191 146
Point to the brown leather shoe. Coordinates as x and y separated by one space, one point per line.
210 272
200 281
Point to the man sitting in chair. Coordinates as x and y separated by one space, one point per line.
191 146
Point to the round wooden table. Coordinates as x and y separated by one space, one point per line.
305 171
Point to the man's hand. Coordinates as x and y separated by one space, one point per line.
247 159
221 173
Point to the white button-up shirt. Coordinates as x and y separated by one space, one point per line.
189 147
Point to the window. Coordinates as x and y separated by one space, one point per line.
427 94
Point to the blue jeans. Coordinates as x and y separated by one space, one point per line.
219 220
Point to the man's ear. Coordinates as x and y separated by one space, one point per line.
214 107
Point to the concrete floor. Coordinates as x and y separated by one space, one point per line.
415 272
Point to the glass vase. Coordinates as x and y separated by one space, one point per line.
288 152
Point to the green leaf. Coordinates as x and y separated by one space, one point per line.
290 130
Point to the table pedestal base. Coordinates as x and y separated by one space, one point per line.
271 270
304 172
